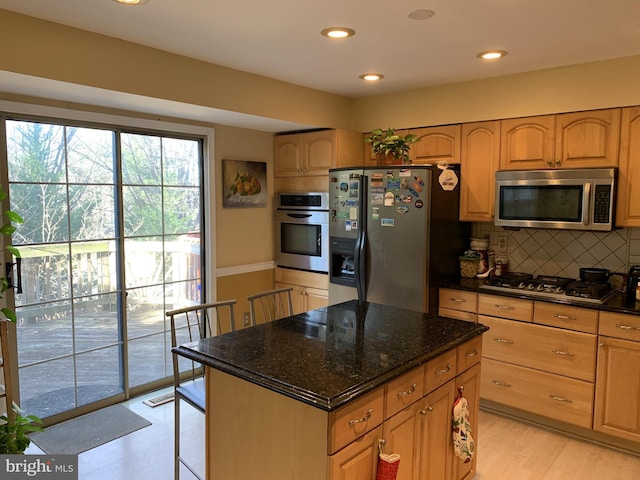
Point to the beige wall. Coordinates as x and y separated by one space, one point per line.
589 86
53 51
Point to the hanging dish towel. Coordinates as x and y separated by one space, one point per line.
463 443
387 464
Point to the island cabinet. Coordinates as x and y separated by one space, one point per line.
259 426
310 290
480 158
628 207
617 410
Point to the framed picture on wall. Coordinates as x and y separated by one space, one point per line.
244 184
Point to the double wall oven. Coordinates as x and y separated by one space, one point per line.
302 231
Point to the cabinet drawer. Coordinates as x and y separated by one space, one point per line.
469 354
564 316
505 307
458 300
545 348
403 391
355 419
458 314
553 396
440 370
620 325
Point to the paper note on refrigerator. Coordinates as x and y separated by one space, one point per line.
353 213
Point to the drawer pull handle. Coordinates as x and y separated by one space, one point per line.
503 340
457 300
563 317
407 392
444 370
501 384
504 307
366 417
627 327
560 352
560 399
471 354
426 410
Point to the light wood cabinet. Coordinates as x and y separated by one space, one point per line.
436 452
480 158
358 460
552 396
310 290
588 139
554 350
505 307
314 153
628 206
527 143
436 144
469 380
617 406
566 316
568 140
458 304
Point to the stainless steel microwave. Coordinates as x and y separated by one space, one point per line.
576 199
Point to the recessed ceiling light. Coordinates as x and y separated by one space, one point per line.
371 77
131 2
491 54
421 14
338 32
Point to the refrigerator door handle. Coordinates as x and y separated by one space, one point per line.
361 240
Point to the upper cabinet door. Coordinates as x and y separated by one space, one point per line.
588 139
528 143
319 152
288 155
480 159
436 144
628 207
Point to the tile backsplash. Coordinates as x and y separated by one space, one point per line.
564 252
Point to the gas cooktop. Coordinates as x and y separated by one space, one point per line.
546 286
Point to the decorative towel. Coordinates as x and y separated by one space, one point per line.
387 464
463 444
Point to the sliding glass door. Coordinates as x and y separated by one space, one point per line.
111 240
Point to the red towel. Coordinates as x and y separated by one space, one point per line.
388 466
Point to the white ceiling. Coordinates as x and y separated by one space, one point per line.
281 38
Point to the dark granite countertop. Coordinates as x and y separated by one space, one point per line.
616 303
330 356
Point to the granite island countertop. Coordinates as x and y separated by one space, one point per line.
333 355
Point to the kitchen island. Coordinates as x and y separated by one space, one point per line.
310 396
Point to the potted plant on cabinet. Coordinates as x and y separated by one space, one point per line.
387 145
15 425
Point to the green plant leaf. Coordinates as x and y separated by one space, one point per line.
7 229
14 251
13 216
10 314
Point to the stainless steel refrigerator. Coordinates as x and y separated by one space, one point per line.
394 233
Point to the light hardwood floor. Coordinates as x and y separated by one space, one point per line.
507 450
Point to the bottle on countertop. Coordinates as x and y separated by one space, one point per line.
633 285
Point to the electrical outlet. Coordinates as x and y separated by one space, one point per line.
502 243
246 320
